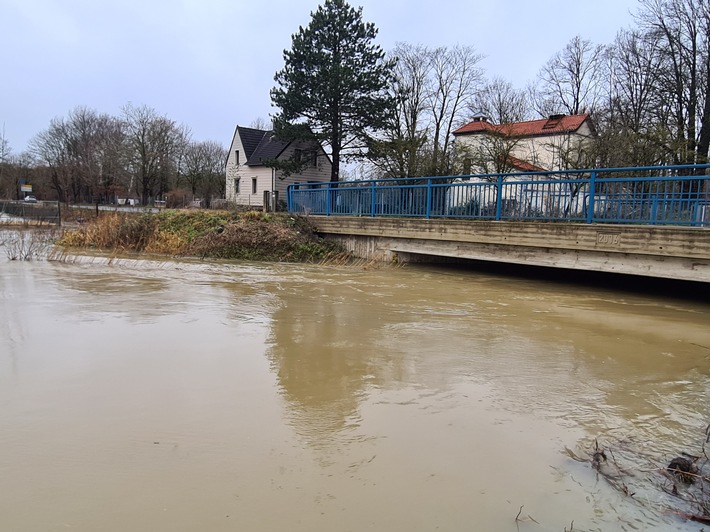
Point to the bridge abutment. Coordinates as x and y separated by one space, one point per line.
655 251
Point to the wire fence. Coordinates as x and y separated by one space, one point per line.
37 212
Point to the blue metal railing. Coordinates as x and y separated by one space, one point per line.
664 195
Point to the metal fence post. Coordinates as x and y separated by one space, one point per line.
373 199
592 198
499 196
428 198
327 200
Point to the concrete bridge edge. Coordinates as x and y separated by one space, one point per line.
672 253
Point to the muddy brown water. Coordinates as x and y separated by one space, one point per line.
181 396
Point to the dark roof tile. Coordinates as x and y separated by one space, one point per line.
259 145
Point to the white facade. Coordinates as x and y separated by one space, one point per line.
247 180
559 149
528 148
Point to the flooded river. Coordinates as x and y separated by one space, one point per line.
186 396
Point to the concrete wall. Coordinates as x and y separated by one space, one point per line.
666 252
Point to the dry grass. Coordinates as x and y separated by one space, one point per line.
113 231
167 243
208 234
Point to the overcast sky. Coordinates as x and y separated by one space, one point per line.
209 64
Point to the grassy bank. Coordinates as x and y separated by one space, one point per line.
206 234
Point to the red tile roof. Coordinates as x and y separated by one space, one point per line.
525 166
531 128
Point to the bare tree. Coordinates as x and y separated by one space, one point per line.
5 152
681 29
155 145
5 149
571 81
261 123
456 76
83 146
636 64
433 90
51 148
85 154
631 125
113 175
500 102
398 152
203 169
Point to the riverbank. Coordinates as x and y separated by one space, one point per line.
251 235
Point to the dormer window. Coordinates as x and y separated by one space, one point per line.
553 121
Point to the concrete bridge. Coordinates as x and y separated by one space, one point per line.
670 252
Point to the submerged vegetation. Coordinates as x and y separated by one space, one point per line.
206 234
25 244
678 484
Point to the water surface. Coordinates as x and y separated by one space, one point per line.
144 395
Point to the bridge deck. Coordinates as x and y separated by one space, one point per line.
655 251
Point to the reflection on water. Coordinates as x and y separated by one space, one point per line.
148 395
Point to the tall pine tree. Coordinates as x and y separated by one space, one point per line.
334 82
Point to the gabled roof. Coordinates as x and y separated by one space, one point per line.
259 145
553 125
524 166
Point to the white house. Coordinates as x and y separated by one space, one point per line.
248 177
558 142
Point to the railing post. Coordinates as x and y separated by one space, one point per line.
373 198
327 200
592 197
428 198
499 196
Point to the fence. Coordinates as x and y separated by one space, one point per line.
669 195
41 212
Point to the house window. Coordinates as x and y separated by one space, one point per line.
253 185
236 186
236 157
